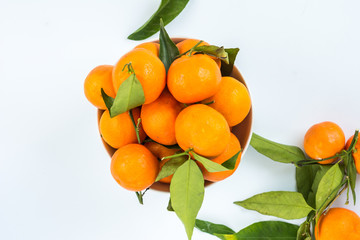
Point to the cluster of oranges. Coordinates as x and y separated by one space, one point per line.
325 140
190 106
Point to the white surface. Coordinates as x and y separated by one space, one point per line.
300 59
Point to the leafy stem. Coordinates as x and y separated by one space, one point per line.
190 51
186 153
130 68
136 126
140 196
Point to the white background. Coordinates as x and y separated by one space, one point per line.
300 59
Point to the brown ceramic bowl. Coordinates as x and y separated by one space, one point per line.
242 131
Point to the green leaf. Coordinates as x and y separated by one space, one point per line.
270 230
187 194
208 164
212 228
170 167
282 204
351 172
328 185
167 10
276 151
215 51
320 172
169 207
129 95
305 176
168 50
107 99
226 69
304 231
231 162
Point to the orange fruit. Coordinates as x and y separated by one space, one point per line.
187 44
158 118
232 100
161 151
119 130
338 223
356 153
152 47
148 68
203 129
99 77
324 140
193 78
134 167
232 148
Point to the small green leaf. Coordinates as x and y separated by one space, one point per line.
215 51
328 184
212 228
107 99
208 164
305 176
168 50
231 162
129 95
170 167
169 207
270 230
354 140
276 151
226 69
167 10
304 231
320 172
351 171
287 205
187 194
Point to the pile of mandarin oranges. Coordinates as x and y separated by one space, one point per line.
190 106
324 142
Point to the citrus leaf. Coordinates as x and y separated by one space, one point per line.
129 95
287 205
187 194
168 50
167 10
276 151
107 99
270 230
212 228
169 207
304 231
320 172
231 162
351 171
208 164
305 176
226 69
218 52
354 140
170 167
350 165
328 184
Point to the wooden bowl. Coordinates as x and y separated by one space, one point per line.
242 131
